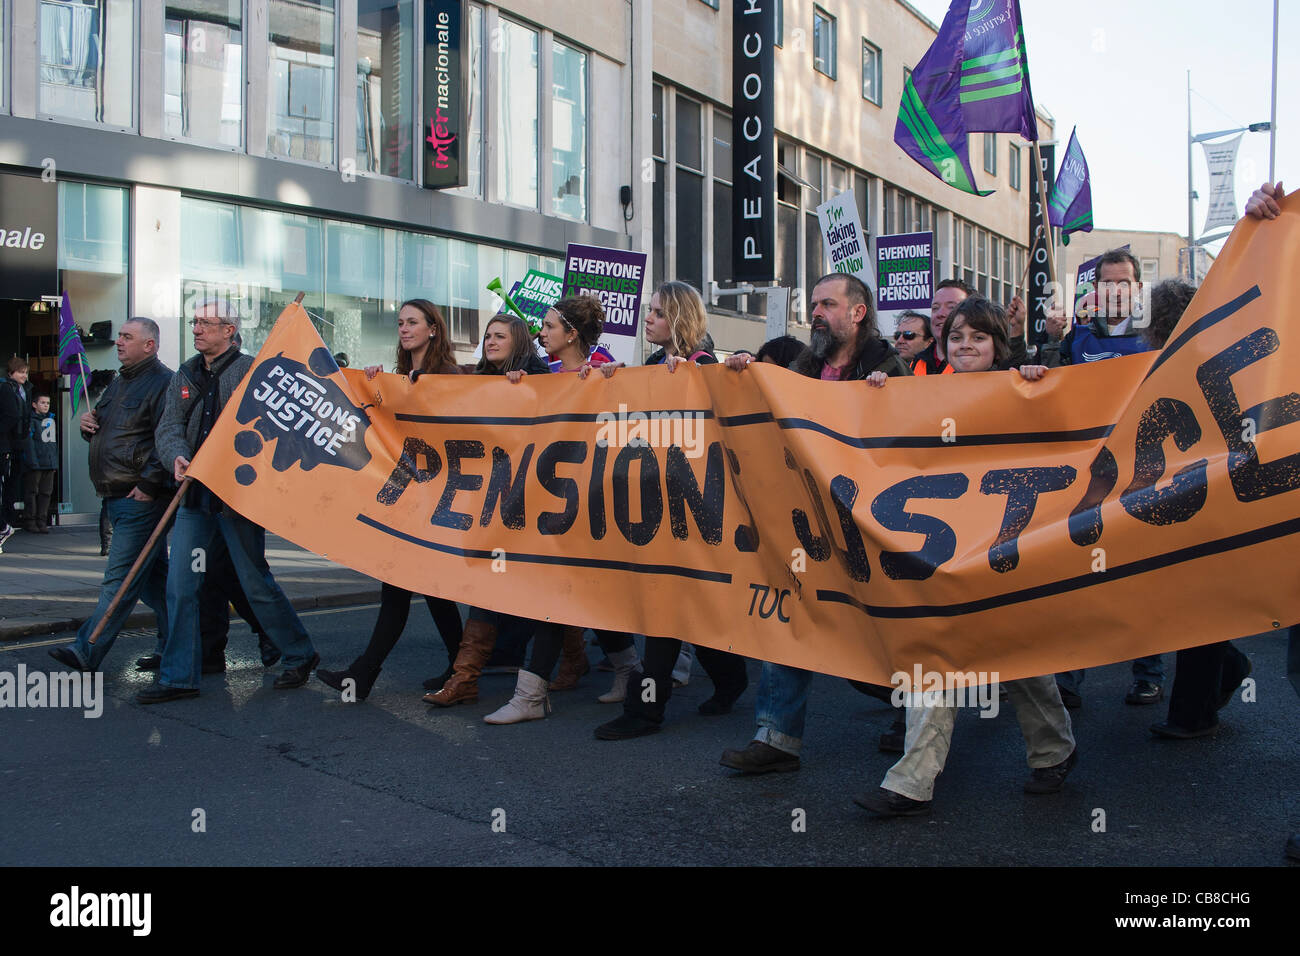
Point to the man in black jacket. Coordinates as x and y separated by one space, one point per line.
127 474
845 346
15 418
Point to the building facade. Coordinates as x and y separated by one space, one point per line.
260 148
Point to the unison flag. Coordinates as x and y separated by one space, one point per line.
973 79
71 352
1070 208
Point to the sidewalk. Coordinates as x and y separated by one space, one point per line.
50 583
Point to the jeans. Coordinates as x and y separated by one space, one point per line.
781 706
1144 668
1205 676
1044 723
133 521
196 531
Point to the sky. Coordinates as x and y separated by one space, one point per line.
1117 69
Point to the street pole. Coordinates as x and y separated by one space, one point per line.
1272 132
1191 211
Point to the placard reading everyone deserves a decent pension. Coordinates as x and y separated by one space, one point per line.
616 277
905 271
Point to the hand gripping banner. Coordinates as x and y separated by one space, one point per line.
965 523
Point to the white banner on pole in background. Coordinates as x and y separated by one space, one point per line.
1222 160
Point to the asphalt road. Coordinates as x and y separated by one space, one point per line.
298 777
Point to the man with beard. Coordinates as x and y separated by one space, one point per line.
948 294
845 345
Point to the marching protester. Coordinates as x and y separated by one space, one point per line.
570 331
1110 332
198 392
134 484
41 462
948 294
15 417
507 350
677 323
975 340
423 348
912 336
845 345
1204 677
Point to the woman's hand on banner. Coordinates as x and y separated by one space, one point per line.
1032 373
738 361
514 377
877 379
672 361
1263 202
373 370
607 369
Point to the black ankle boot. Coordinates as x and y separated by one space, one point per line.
363 679
270 653
435 683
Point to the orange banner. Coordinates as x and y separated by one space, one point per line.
963 523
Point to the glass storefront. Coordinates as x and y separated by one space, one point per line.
93 272
87 60
355 276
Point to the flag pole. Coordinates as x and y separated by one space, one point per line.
1042 198
1029 262
84 379
1272 126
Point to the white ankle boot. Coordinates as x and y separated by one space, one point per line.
529 703
623 661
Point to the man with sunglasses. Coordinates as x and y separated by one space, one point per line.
198 392
912 336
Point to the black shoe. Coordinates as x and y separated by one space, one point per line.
270 653
1144 692
1174 732
1293 847
362 681
1051 779
759 757
215 666
1226 697
1070 698
435 683
626 727
296 676
161 693
891 742
67 658
886 803
717 705
150 662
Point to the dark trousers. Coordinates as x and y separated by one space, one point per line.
38 489
221 589
548 642
726 670
1205 678
394 610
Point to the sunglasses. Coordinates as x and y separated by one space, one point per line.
905 335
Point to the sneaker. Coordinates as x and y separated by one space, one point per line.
887 803
1051 779
759 757
1144 692
5 534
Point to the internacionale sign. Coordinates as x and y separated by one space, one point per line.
445 97
964 523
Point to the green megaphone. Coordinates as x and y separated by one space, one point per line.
495 286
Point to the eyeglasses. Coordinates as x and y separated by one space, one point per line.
209 323
904 335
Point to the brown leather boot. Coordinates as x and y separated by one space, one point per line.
476 645
573 659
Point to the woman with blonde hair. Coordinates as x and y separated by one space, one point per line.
677 323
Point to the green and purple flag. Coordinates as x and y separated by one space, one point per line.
1070 208
71 351
973 79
